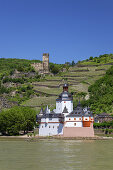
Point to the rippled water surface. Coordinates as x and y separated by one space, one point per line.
51 154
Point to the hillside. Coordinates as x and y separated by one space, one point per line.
79 78
9 65
102 59
21 84
101 93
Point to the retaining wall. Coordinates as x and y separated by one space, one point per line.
78 131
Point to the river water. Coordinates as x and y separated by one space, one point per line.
54 154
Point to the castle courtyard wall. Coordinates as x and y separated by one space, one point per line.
78 131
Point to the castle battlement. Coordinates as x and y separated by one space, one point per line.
42 68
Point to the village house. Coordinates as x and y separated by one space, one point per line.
104 117
64 120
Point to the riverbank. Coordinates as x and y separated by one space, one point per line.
25 137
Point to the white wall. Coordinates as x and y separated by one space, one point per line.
61 104
68 104
70 122
43 120
50 126
50 129
58 107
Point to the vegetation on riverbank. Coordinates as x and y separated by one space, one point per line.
16 120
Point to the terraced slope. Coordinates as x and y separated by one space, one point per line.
78 77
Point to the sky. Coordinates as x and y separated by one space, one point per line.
66 29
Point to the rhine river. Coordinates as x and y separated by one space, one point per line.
54 154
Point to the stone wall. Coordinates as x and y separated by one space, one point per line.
78 131
42 68
46 62
38 66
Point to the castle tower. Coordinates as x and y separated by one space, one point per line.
64 103
46 62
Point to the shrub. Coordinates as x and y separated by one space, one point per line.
16 119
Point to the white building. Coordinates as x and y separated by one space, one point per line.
64 120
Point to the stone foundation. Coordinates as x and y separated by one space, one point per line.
78 131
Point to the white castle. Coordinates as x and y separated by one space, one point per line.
64 120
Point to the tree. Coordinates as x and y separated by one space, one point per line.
73 63
101 93
91 58
17 119
55 69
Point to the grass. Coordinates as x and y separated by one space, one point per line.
38 101
53 77
47 90
102 61
48 83
79 88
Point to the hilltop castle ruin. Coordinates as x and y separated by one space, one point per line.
42 68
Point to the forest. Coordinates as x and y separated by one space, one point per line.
101 93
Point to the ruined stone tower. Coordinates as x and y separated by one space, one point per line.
42 68
46 62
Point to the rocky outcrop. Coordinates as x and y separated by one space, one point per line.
4 103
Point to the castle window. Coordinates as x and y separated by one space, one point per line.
85 119
74 124
79 118
69 118
74 118
53 126
42 126
49 126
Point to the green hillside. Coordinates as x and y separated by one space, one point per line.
101 93
79 78
102 59
21 84
8 65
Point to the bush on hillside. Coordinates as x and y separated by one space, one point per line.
101 93
54 68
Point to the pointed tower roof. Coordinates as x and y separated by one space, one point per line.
52 112
47 111
65 95
41 112
65 110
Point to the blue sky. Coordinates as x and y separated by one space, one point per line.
67 29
